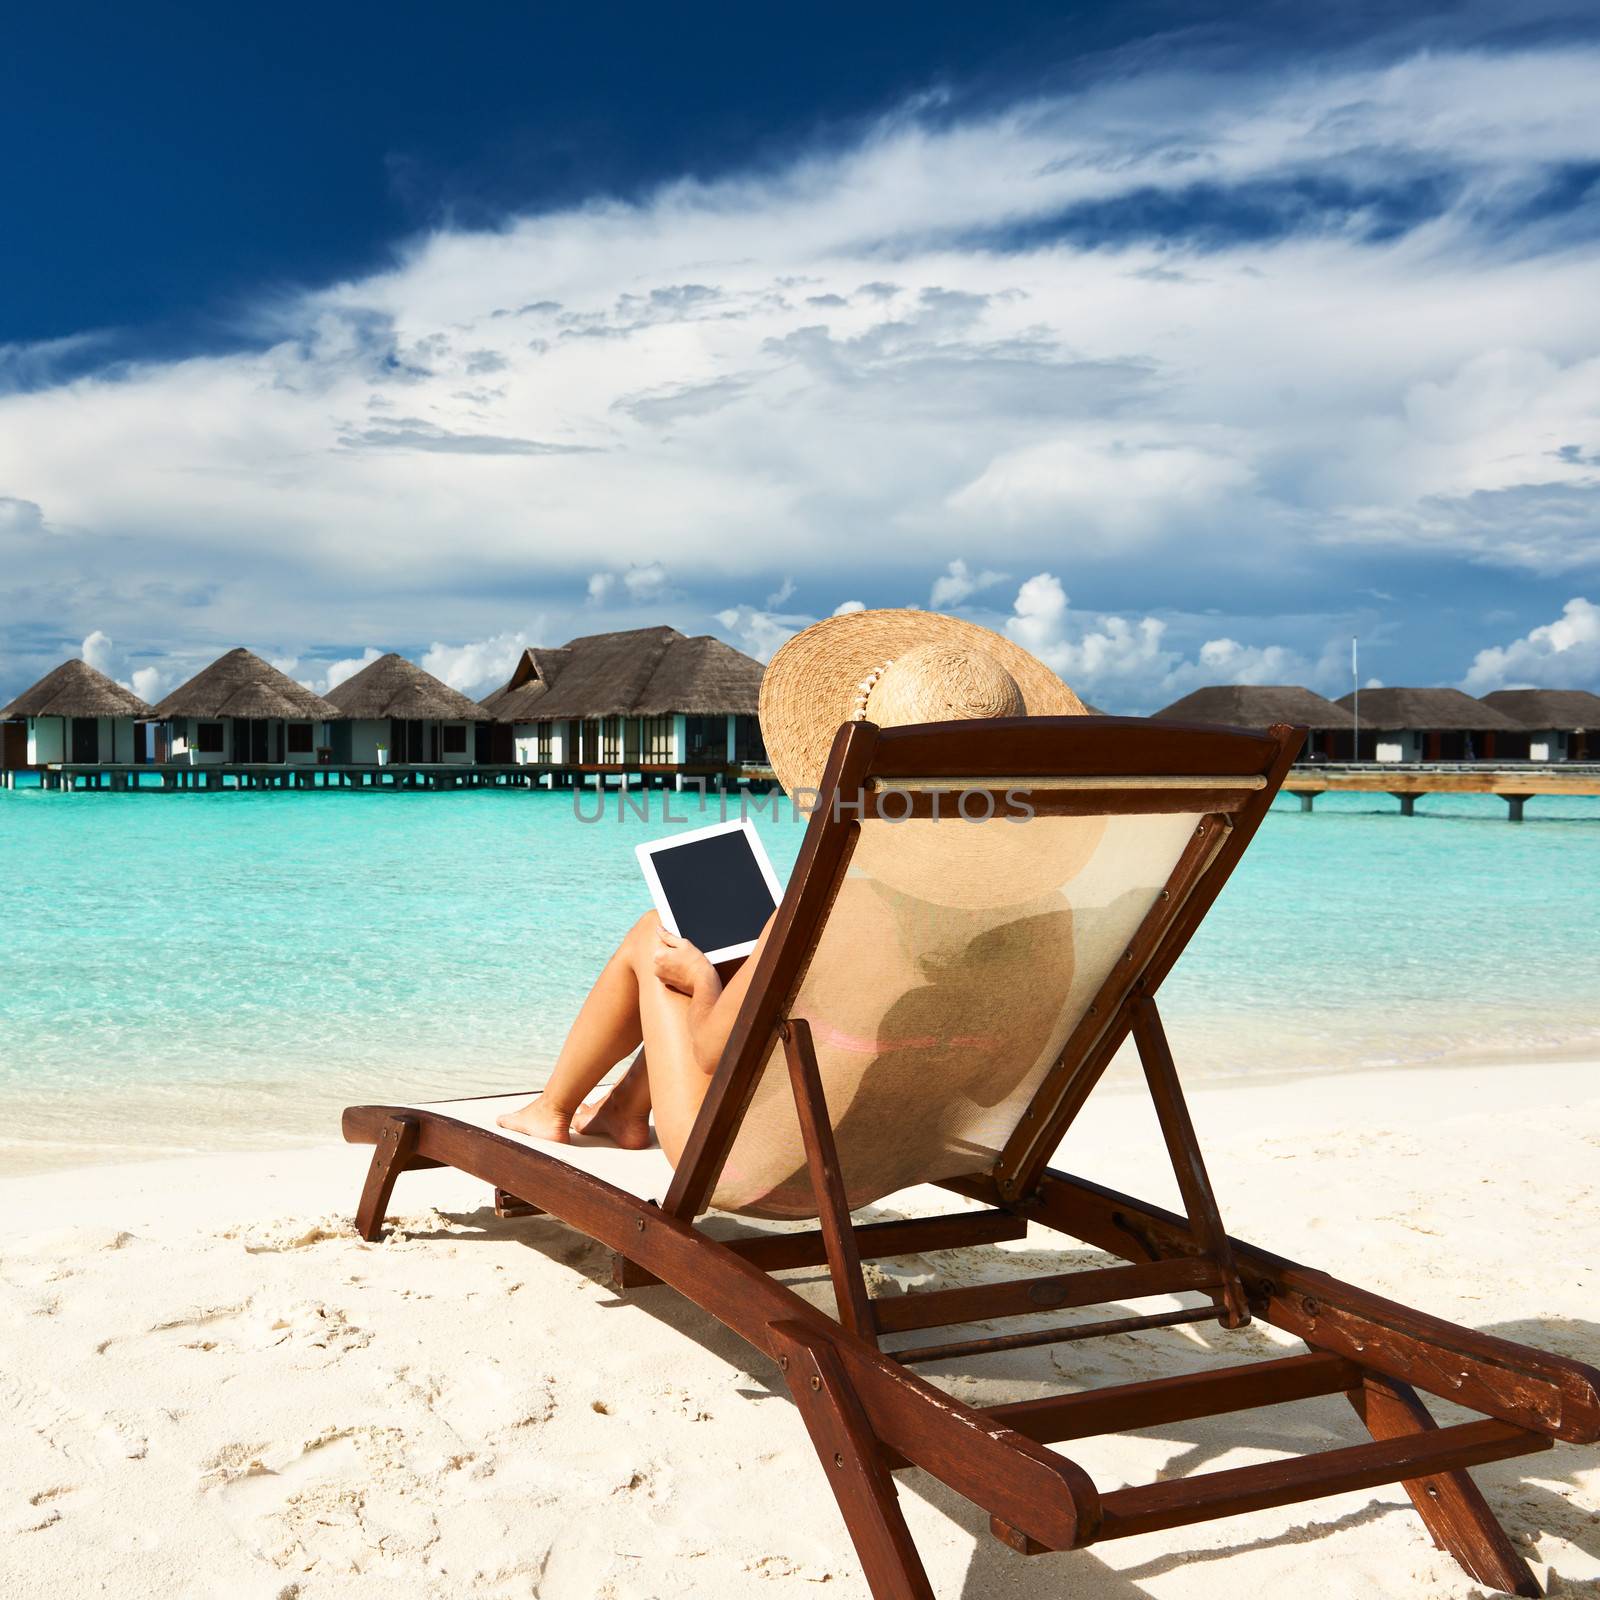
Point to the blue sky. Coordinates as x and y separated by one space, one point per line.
1181 342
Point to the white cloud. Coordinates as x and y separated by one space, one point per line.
845 607
759 633
1110 654
19 516
101 654
321 676
1228 661
881 357
1108 484
153 683
646 582
342 671
641 583
150 681
1564 654
1128 664
477 668
958 583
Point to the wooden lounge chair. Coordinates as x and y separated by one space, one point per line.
840 1085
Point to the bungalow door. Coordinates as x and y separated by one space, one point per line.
260 748
85 739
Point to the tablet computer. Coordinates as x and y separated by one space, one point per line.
712 886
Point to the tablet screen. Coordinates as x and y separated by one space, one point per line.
717 891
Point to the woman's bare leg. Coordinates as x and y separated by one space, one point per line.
622 1115
628 1005
606 1028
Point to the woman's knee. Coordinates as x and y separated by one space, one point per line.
642 935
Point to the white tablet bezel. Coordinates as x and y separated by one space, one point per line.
647 852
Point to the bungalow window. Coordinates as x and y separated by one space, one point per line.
544 743
299 738
747 741
455 739
208 738
707 738
655 739
611 741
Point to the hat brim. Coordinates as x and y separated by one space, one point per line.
811 685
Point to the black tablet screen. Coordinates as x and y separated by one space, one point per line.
715 888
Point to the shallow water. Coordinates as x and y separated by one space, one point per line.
198 971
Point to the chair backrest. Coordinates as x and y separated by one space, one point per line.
974 908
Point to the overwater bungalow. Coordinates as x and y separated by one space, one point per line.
648 699
392 706
72 715
1427 725
1556 724
1250 705
241 711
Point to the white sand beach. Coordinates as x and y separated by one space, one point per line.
210 1387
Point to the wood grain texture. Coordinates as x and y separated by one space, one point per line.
1047 1495
1183 1150
395 1143
779 1252
1449 1502
1547 1393
853 1461
827 1181
943 1308
1179 1501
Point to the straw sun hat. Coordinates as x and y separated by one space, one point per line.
893 668
899 667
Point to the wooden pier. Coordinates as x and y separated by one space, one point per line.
1514 784
156 777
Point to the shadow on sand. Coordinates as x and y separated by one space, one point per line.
1531 1495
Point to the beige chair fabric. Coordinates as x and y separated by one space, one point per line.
940 995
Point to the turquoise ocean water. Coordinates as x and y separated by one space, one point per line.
183 972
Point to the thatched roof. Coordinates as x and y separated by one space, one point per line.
1444 710
391 686
1539 710
75 689
643 672
1249 705
243 685
530 680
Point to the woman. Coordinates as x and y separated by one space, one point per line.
658 991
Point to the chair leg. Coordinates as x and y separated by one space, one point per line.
852 1458
1188 1165
827 1182
1450 1504
389 1158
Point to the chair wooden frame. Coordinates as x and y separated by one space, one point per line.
867 1413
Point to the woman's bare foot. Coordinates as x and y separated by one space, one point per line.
626 1125
539 1119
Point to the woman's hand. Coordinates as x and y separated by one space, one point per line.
683 966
